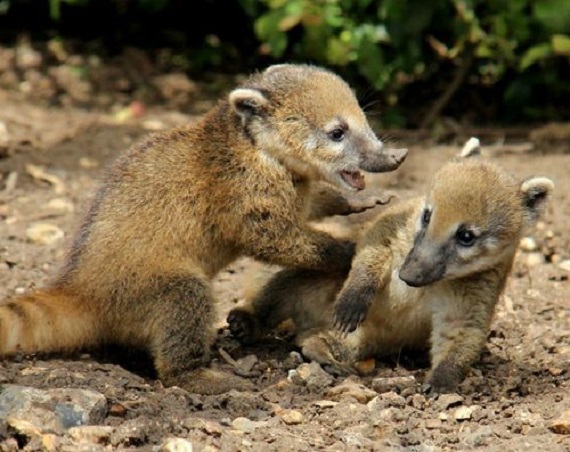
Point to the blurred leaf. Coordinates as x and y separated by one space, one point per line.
554 15
534 54
561 44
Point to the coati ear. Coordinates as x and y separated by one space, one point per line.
472 148
277 67
248 102
535 192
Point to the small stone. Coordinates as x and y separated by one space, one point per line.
118 410
50 443
561 425
388 399
480 437
292 417
352 389
464 413
176 445
245 365
564 265
325 403
528 244
534 258
44 233
419 401
244 424
60 204
88 163
433 424
310 375
448 400
443 417
365 367
382 385
24 427
96 434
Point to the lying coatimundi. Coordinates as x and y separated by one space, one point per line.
428 271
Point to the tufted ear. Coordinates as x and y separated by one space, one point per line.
248 102
472 148
535 192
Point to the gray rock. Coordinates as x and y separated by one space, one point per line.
53 409
382 385
310 375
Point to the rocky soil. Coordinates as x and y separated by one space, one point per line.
53 146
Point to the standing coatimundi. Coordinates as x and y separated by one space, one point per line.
182 204
428 272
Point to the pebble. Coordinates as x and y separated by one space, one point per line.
176 445
447 400
244 424
351 389
325 403
534 258
528 244
245 365
464 413
44 233
561 424
91 433
382 385
388 399
564 265
292 417
60 204
479 438
310 375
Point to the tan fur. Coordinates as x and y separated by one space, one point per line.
457 287
182 204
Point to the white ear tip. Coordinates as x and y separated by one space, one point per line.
472 147
544 183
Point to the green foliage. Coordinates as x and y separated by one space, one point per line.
395 43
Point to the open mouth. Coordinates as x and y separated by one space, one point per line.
353 178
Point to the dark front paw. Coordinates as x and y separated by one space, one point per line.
444 379
349 313
242 325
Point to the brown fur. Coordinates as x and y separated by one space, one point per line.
455 289
182 204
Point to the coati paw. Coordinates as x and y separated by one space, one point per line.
349 313
444 379
361 205
243 325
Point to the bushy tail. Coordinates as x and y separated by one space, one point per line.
45 321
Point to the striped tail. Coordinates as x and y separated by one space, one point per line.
45 321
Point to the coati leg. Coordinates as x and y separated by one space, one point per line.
181 319
327 200
305 296
458 335
369 275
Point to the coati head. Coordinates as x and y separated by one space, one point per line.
309 120
473 218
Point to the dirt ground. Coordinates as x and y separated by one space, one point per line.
51 158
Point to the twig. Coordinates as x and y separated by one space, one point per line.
460 74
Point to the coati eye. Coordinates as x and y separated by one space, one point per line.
465 237
336 134
426 216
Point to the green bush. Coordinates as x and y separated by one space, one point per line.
395 44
